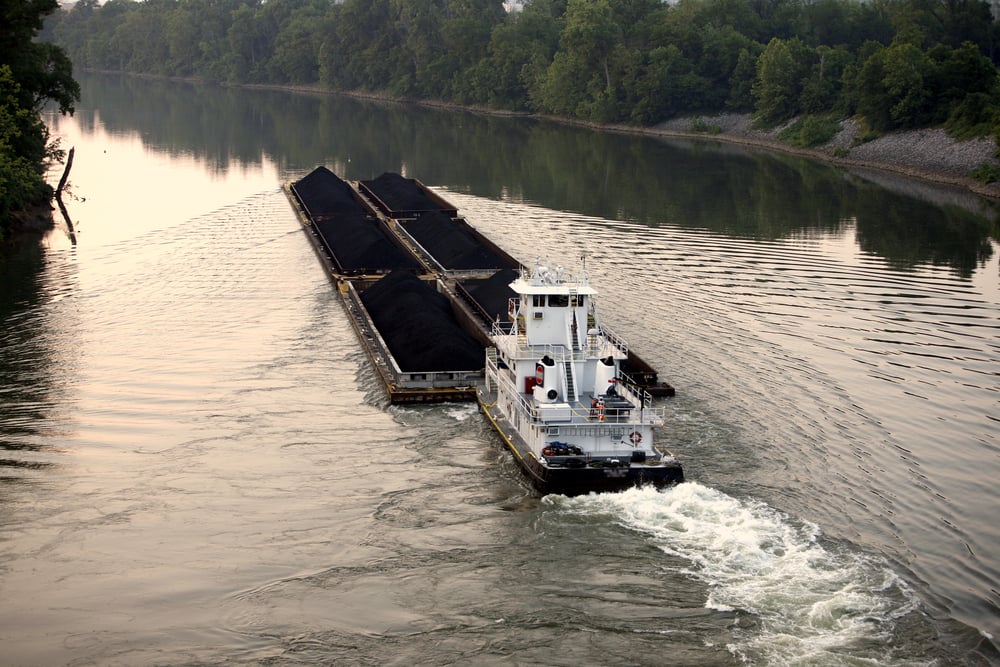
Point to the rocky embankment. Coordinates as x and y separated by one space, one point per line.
929 154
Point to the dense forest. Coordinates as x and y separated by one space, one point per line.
893 63
31 74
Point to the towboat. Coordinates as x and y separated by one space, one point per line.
554 390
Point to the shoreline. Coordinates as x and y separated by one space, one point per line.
927 154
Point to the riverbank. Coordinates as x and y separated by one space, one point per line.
926 154
34 221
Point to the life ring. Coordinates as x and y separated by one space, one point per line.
635 437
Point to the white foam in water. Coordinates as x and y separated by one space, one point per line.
461 411
812 604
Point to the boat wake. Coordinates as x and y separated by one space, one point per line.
798 600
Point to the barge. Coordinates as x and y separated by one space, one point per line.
555 393
374 230
366 261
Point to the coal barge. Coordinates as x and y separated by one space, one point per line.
422 287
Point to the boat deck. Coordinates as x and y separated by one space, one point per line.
578 473
628 409
585 411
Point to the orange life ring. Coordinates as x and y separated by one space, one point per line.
635 437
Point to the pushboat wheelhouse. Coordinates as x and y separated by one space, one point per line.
554 391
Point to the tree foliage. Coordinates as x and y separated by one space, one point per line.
31 74
896 63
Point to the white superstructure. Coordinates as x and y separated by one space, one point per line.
554 382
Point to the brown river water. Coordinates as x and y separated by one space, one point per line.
197 466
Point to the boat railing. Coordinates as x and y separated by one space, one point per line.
596 343
554 351
635 391
613 338
643 413
501 328
506 386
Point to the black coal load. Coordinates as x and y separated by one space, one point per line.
401 194
360 244
419 327
323 193
453 245
493 294
355 239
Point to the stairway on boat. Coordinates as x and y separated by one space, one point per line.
570 385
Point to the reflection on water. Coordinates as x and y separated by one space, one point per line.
36 368
725 189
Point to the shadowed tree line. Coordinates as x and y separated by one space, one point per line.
31 74
893 63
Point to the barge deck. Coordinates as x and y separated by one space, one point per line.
375 230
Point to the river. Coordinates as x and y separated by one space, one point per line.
197 466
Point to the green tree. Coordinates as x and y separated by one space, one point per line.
19 182
296 49
248 49
906 78
520 51
717 62
579 83
962 71
822 88
466 31
865 93
668 87
741 81
31 74
781 72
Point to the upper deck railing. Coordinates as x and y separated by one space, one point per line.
644 411
596 343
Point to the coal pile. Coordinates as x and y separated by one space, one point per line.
401 194
493 294
323 193
359 244
419 327
452 244
352 236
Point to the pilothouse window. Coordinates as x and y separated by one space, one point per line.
558 300
538 300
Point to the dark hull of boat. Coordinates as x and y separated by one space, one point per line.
581 478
